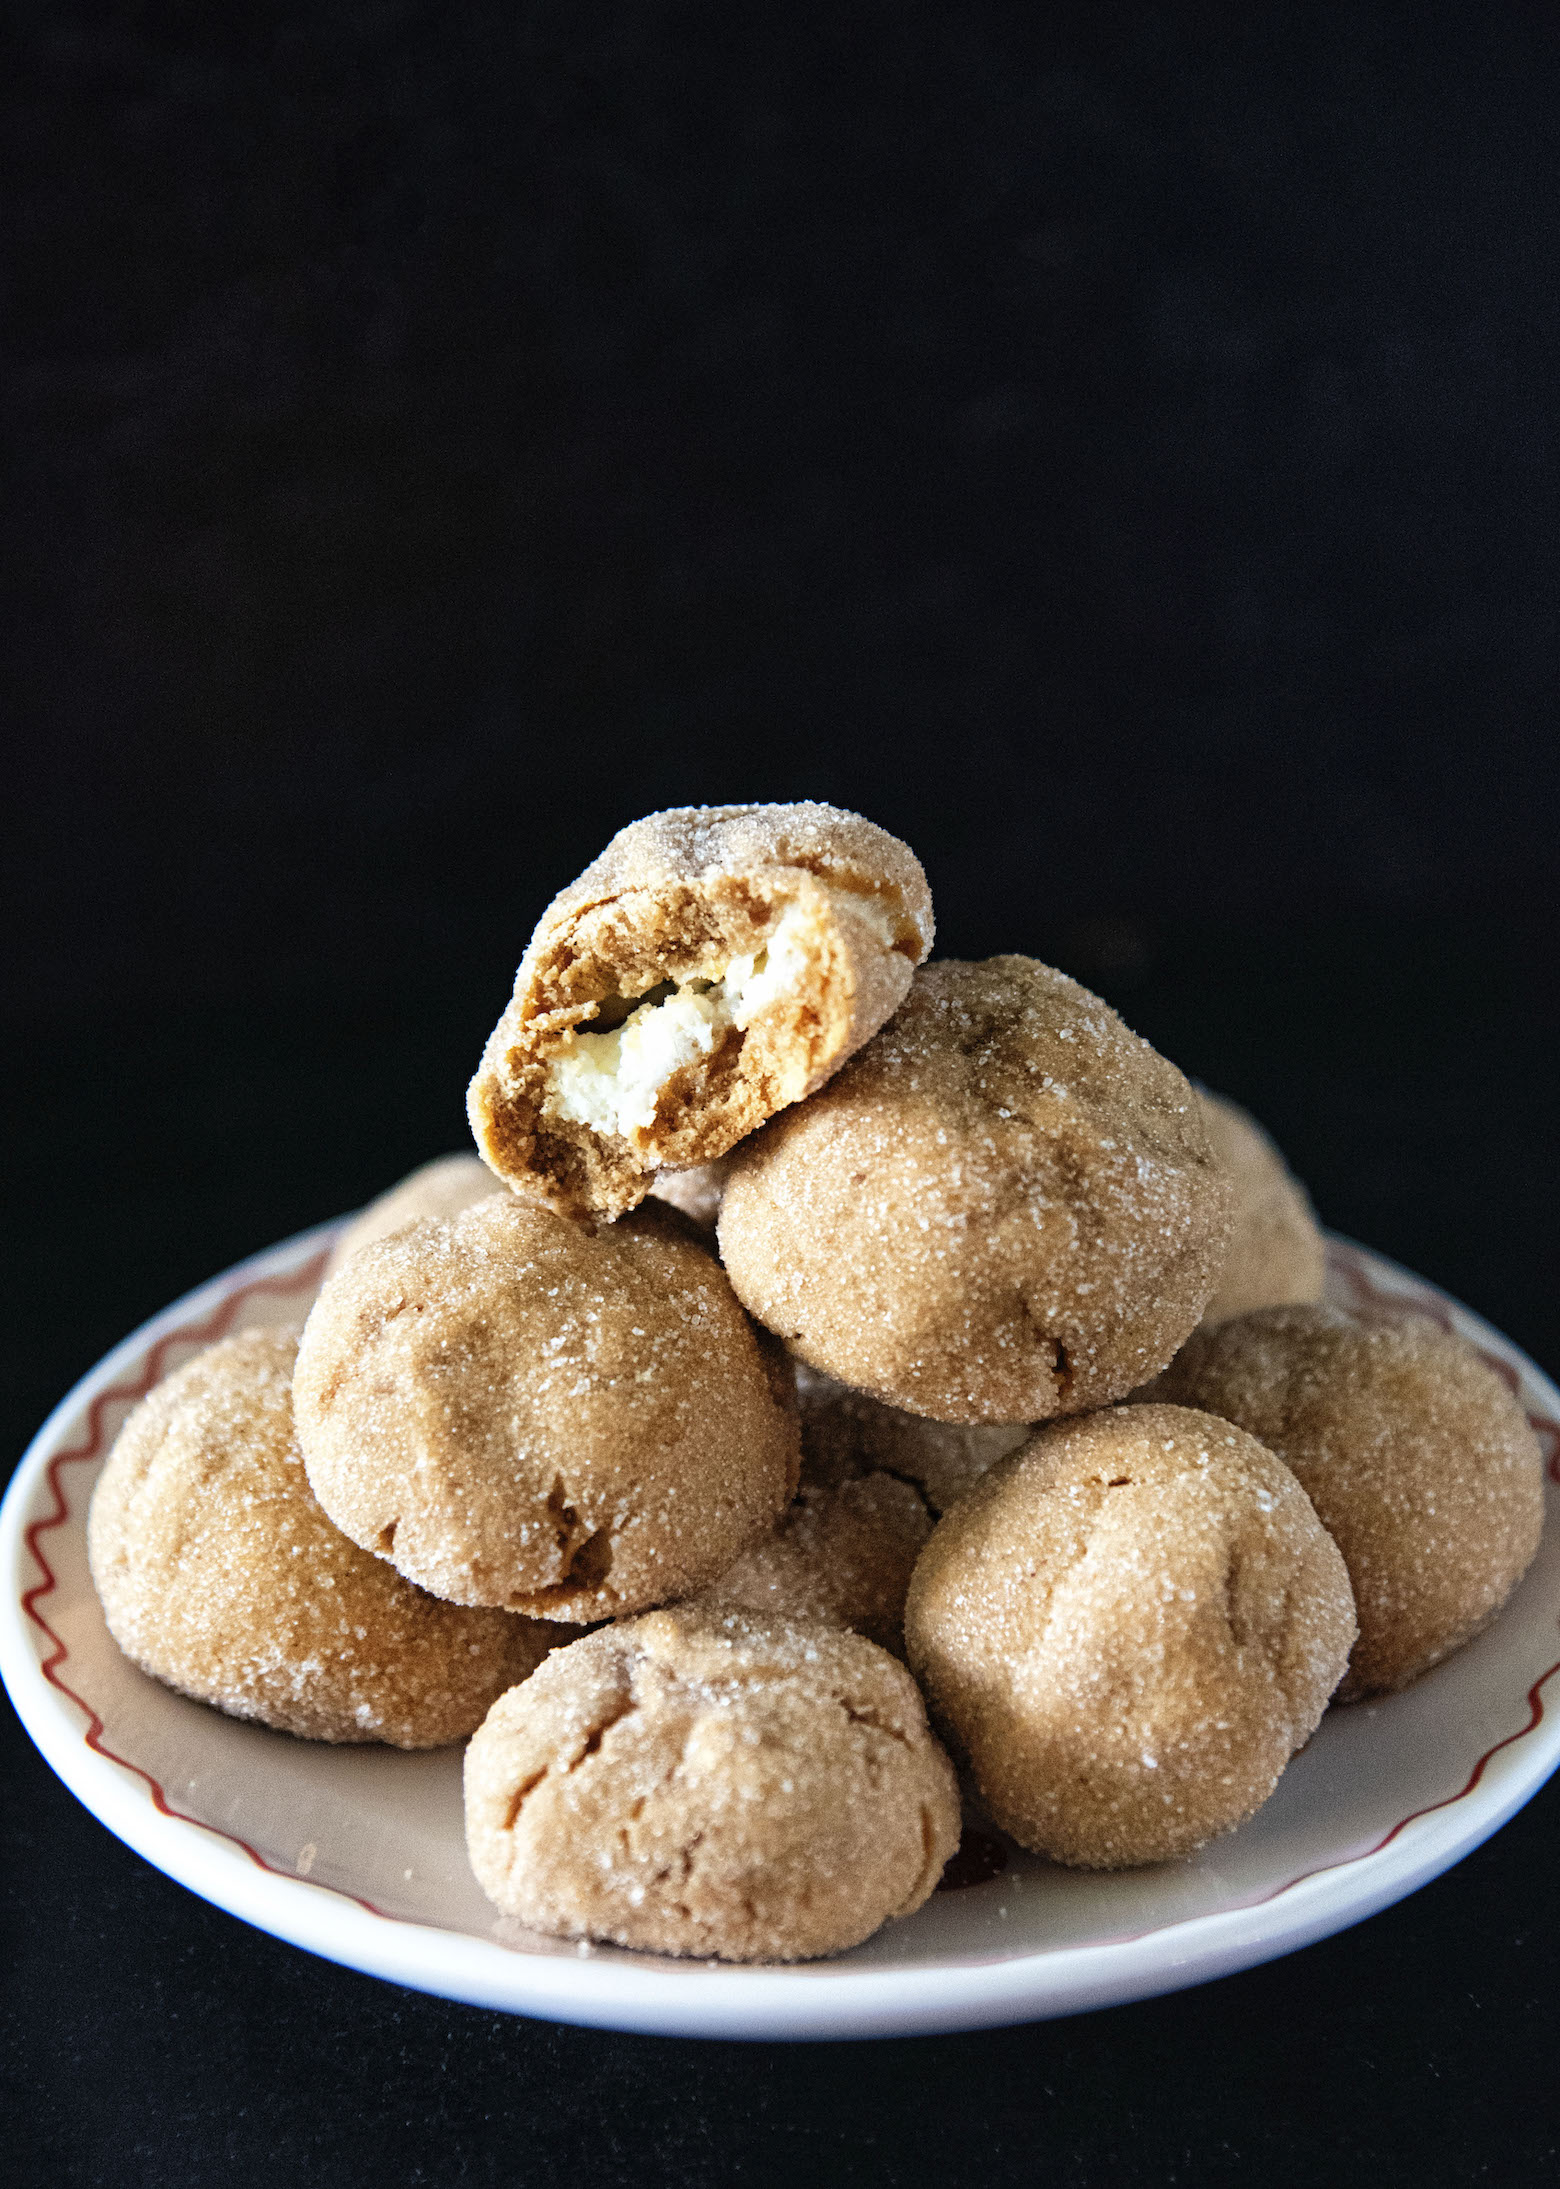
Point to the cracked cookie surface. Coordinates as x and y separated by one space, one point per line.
219 1574
713 965
517 1411
1004 1208
1128 1627
704 1783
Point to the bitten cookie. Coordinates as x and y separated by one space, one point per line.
1421 1464
711 1785
1129 1627
1003 1209
1276 1254
713 965
219 1574
438 1189
520 1412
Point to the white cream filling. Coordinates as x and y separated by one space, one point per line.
612 1081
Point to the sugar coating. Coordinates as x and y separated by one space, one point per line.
713 965
518 1411
704 1783
844 1549
1276 1254
1421 1464
441 1188
219 1574
874 1482
1004 1208
1128 1627
846 1432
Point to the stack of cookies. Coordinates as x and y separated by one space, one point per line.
827 1356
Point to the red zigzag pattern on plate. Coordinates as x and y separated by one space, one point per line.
1343 1258
1371 1294
216 1325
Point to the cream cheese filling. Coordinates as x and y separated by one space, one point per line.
612 1081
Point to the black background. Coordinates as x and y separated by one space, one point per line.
1116 448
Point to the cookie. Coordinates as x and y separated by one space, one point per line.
874 1482
1276 1254
441 1188
711 1785
715 964
841 1555
1128 1627
1003 1209
847 1433
219 1574
1421 1464
518 1411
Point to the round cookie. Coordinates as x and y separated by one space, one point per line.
1129 1627
708 1784
1421 1464
1004 1208
874 1480
1276 1255
438 1189
219 1574
714 964
846 1433
518 1411
842 1556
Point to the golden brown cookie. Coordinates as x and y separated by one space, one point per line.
874 1480
219 1574
841 1556
714 1785
1421 1464
438 1189
713 965
1129 1627
846 1433
1276 1254
518 1411
1003 1209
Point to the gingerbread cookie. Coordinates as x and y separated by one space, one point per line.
715 964
874 1481
709 1784
847 1433
438 1189
842 1556
1128 1627
219 1574
1276 1254
517 1411
1003 1209
1421 1464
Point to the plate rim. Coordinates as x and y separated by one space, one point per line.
804 2001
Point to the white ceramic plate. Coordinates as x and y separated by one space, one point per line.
358 1853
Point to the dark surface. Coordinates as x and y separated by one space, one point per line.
1120 453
